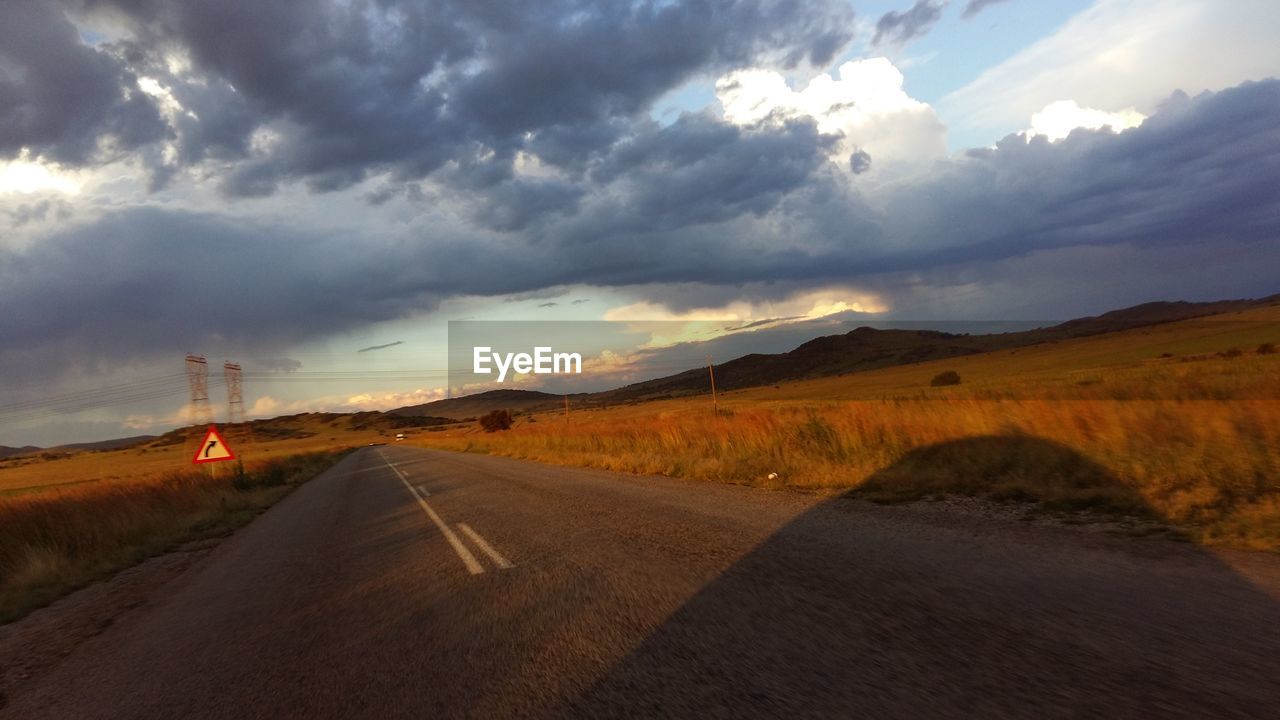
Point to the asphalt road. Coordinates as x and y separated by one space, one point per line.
470 586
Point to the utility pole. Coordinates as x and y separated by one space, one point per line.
711 369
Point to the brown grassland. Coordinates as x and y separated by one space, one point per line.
1178 423
53 542
153 460
66 520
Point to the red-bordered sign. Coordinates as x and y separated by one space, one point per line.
213 448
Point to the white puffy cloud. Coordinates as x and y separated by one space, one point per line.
864 103
807 304
1118 54
268 406
1059 118
391 400
668 326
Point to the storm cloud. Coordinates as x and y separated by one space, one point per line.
699 201
329 93
59 97
255 178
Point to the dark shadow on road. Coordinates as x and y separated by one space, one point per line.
856 610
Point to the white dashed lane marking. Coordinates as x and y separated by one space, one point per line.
473 565
485 547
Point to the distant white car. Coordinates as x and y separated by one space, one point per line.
399 436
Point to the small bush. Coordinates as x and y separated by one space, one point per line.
948 377
496 420
1267 349
1234 352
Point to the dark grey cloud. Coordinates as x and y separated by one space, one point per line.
140 283
386 193
580 301
1196 171
700 170
859 162
973 7
274 364
899 27
548 304
59 98
349 89
539 294
40 210
725 212
515 204
384 346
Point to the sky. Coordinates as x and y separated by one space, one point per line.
315 189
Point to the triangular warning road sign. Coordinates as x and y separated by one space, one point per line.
213 448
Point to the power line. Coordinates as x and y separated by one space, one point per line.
174 380
120 395
172 384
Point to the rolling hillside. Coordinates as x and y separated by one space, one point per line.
114 444
859 350
471 406
1175 422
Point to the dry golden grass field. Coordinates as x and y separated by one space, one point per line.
1177 422
279 438
68 520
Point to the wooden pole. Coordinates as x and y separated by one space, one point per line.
715 406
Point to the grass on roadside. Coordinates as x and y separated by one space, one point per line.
1081 425
54 542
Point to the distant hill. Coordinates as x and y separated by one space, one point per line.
1154 313
305 425
115 444
471 406
858 350
862 349
6 451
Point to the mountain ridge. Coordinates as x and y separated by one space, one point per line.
860 349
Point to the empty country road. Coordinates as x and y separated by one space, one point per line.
408 583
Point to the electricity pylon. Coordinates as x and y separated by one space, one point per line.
235 399
235 391
198 380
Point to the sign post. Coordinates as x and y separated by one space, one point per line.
213 448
